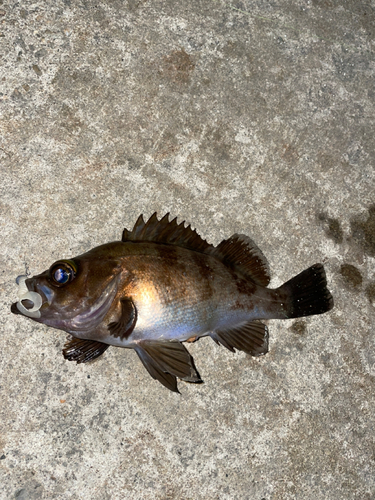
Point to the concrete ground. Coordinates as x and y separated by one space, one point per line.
254 117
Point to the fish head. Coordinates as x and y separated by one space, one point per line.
72 295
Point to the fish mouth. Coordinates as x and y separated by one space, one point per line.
29 302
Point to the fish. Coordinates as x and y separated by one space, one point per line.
162 286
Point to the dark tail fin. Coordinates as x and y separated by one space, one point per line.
306 294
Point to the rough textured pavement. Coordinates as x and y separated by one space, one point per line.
254 117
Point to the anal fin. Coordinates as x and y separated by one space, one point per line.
251 337
83 351
165 361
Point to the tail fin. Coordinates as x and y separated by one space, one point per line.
307 293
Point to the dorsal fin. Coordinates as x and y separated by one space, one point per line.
168 233
239 252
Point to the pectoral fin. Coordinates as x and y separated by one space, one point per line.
167 360
128 319
83 351
251 338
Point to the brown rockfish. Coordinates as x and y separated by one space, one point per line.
161 285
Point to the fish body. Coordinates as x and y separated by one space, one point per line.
163 285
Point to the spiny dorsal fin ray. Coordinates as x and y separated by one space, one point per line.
240 253
168 233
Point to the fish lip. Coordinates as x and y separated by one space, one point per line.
32 286
14 309
19 308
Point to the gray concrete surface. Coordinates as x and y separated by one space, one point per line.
253 117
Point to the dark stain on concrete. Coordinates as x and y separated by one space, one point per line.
352 276
216 144
331 226
178 66
238 49
363 232
167 146
32 490
69 119
289 153
134 5
37 70
326 161
299 327
370 292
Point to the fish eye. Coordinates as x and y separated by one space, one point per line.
63 272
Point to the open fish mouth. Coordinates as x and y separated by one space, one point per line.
28 303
